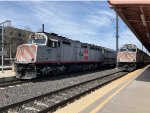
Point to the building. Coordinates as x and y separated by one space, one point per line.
13 38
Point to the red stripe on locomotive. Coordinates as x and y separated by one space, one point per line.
25 53
86 56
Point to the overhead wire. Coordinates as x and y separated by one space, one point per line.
36 13
122 25
93 13
103 13
29 20
41 15
99 15
111 20
53 19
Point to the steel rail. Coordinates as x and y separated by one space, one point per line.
17 81
11 83
62 103
53 107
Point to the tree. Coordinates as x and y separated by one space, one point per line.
39 30
9 24
27 28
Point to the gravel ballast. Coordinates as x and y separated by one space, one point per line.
10 95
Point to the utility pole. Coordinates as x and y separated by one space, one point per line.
2 47
117 36
10 49
142 54
3 43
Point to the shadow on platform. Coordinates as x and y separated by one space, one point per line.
145 76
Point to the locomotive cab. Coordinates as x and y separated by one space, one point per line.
128 49
127 57
41 39
52 43
37 39
32 52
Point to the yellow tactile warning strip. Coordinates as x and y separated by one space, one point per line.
101 105
86 101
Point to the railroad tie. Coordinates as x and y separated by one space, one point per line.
12 112
40 104
52 100
63 94
31 109
10 86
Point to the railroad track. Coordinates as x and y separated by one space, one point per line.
51 101
12 83
19 82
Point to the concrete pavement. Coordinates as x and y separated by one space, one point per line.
129 94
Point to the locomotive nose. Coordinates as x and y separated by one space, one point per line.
26 53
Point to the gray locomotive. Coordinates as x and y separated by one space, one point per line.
49 54
130 57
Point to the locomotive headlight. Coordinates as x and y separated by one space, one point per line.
32 59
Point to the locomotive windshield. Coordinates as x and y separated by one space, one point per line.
123 49
29 41
39 41
131 49
36 39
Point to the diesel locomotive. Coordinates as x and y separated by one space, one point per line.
130 57
47 54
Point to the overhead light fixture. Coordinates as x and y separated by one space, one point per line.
143 19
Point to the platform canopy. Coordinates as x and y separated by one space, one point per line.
136 15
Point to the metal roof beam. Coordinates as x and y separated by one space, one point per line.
144 22
136 21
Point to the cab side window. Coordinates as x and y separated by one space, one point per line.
52 44
58 44
49 44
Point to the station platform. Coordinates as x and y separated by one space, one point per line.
129 94
7 75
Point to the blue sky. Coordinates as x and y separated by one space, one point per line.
91 22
